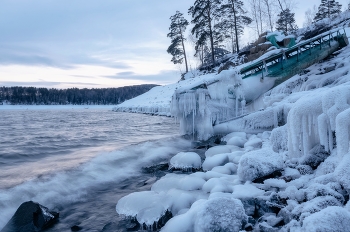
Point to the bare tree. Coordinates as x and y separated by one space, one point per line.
255 14
309 16
269 10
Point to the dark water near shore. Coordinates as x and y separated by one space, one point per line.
80 162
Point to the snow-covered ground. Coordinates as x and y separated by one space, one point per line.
283 168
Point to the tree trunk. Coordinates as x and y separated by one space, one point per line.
183 47
235 24
211 36
269 13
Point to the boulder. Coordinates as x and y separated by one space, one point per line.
30 217
315 157
226 66
221 214
259 164
264 47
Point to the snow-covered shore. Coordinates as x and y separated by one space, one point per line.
283 168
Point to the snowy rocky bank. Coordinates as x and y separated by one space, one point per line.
285 167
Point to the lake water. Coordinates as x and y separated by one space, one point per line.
79 161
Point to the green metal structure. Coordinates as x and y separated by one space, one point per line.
292 61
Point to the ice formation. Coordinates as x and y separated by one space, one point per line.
333 218
215 100
185 161
259 163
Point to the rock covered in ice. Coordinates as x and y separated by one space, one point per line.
237 141
185 161
259 163
253 142
220 184
333 218
217 150
228 169
314 157
227 137
178 181
342 172
246 191
213 161
220 214
315 205
147 206
279 139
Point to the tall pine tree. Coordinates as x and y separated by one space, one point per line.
233 22
286 21
204 15
327 9
177 47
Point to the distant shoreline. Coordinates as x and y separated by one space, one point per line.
54 107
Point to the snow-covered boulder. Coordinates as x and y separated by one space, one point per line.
315 205
185 161
145 211
259 163
217 160
279 139
315 156
253 142
342 172
228 169
237 141
333 218
217 150
221 214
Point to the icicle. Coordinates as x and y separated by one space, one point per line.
236 106
305 134
275 117
330 138
193 124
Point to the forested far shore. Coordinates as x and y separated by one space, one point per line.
51 96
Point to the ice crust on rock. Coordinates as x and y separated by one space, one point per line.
217 150
145 211
333 218
213 161
220 214
259 163
185 161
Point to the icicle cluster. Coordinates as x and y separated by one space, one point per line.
324 120
213 102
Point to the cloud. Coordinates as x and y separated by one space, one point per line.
47 84
167 76
13 54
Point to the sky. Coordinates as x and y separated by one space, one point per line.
93 44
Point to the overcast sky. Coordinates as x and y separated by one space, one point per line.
90 43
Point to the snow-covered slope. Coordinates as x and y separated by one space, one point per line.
157 101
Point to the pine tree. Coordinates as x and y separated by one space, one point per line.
286 21
327 9
204 14
177 47
233 22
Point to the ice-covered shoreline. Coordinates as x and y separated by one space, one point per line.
284 168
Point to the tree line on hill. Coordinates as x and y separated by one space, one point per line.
74 96
217 25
